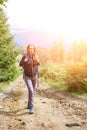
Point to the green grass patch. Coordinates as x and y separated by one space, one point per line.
60 85
3 86
82 95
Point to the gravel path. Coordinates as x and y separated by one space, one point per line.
52 110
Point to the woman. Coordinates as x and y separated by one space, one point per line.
30 63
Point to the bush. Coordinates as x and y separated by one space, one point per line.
53 74
76 77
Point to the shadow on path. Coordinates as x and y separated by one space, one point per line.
14 113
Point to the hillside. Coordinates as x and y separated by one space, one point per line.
43 39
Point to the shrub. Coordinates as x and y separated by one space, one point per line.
76 77
53 74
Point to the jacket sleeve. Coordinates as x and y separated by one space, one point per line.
22 61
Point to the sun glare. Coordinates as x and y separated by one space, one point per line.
64 18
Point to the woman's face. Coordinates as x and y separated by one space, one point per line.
31 50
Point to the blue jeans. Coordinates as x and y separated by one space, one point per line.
31 85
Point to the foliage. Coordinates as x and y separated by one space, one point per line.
7 51
77 52
2 2
44 55
70 78
76 77
58 51
53 74
21 50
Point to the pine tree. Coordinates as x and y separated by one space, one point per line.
8 69
2 2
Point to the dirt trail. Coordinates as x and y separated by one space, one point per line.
52 110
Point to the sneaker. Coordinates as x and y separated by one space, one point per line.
31 110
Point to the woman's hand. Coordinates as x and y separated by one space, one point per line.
25 59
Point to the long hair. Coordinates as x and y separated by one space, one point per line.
35 51
35 55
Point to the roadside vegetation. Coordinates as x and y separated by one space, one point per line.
8 51
62 67
70 79
66 70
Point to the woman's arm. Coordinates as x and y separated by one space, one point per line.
22 61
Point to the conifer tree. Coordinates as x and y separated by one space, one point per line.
2 2
8 69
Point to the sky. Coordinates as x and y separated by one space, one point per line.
63 17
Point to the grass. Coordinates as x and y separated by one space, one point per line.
56 76
82 95
61 86
3 86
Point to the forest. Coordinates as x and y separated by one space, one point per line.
62 68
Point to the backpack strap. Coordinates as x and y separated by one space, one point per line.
28 58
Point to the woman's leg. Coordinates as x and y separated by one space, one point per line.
29 84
